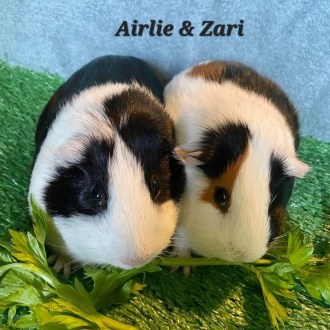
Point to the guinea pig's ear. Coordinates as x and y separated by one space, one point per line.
189 158
297 168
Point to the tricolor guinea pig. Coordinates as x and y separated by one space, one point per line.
103 167
237 134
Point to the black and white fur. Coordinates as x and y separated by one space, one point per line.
220 111
103 167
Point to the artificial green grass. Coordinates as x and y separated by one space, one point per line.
213 297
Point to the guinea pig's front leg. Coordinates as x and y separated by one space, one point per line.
60 263
59 258
181 250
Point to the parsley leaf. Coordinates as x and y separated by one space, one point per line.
297 252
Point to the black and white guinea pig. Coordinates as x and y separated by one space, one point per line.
104 168
237 133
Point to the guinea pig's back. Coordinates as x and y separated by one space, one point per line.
250 80
206 90
115 69
102 70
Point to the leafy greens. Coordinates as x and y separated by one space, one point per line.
34 297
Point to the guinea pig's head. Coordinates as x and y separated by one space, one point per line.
237 133
237 191
111 184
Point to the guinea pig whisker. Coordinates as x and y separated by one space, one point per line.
273 199
170 254
56 245
73 266
278 247
278 241
178 246
72 262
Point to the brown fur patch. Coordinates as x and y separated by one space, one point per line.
225 180
277 217
210 71
53 102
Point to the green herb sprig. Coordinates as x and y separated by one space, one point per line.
27 281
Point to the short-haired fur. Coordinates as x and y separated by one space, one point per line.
237 134
104 167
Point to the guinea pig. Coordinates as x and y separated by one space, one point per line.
104 168
237 134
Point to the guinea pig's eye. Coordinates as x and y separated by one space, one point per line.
97 196
221 196
155 187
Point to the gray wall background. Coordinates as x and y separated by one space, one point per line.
289 41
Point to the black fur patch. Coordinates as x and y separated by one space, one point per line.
222 146
148 132
280 187
116 69
177 180
69 192
249 79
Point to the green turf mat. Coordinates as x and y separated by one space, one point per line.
213 297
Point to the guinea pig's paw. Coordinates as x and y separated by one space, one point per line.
180 252
61 263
